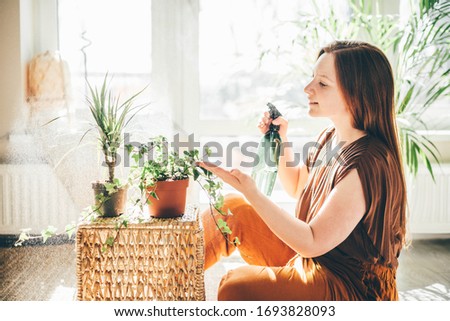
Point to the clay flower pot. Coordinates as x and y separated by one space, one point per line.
171 201
115 204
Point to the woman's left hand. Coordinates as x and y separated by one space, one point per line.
240 181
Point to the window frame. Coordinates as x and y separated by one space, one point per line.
181 96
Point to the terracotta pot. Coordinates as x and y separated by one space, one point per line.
171 200
115 204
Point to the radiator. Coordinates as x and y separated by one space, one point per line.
429 202
32 196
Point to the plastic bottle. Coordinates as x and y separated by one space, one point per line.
266 169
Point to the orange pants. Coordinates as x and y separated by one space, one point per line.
267 277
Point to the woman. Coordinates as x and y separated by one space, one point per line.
349 228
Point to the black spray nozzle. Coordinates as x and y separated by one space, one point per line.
274 114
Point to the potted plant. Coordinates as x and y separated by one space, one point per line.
111 118
163 179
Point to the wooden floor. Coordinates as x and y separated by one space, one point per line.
48 272
424 271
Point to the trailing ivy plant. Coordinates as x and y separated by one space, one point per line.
164 165
89 214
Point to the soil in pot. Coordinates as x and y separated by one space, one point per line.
115 203
171 200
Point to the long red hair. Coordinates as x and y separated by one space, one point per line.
366 81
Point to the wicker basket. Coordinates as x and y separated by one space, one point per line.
159 259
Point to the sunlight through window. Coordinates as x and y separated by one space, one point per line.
102 36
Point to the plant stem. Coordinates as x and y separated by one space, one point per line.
111 164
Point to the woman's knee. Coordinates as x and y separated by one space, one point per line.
234 202
239 284
239 208
230 288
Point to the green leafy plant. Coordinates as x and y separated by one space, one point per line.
165 165
417 47
422 77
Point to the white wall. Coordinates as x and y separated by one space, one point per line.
27 27
11 75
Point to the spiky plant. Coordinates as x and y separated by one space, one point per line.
111 118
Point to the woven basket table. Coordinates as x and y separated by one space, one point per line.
157 259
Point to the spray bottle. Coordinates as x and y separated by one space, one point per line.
265 171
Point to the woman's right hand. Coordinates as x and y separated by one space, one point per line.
265 122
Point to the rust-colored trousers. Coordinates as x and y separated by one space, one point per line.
267 277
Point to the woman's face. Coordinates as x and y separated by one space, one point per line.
324 94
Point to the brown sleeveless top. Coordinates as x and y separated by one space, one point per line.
363 266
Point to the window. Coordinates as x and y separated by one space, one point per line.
233 37
102 36
237 73
249 54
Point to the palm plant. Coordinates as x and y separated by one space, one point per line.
422 77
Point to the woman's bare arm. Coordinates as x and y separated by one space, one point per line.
339 215
292 176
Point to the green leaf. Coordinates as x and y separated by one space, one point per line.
100 198
406 99
429 167
219 202
196 174
111 188
226 230
109 241
47 233
70 229
136 157
223 226
221 223
24 236
129 148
